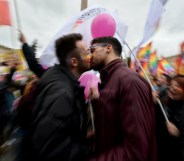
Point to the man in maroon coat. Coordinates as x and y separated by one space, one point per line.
124 111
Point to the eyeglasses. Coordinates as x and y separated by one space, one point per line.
93 47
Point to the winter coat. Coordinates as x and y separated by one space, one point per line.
60 119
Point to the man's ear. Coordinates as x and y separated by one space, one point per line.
74 62
109 48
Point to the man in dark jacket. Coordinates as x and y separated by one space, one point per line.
59 116
124 111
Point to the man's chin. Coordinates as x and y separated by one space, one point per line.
94 68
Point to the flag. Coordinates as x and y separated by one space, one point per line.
182 47
14 55
151 25
153 19
153 63
180 61
145 65
81 23
5 18
180 64
144 52
164 67
163 2
160 68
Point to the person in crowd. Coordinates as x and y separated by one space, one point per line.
7 87
59 116
23 106
29 55
171 144
124 111
162 84
161 93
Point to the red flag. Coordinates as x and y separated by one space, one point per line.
182 47
180 61
5 13
180 64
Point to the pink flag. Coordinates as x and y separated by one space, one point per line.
89 79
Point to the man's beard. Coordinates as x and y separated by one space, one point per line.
83 67
97 67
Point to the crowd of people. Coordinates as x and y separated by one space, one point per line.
52 114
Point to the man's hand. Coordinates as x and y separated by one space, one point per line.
172 129
93 93
22 38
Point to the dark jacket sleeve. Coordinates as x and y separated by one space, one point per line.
57 134
31 60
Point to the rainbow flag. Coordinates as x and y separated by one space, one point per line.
144 52
153 63
145 65
164 67
143 56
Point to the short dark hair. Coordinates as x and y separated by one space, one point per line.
179 79
168 77
109 40
66 47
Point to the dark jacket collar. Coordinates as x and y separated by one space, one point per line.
56 73
69 74
106 72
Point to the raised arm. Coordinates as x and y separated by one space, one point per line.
29 56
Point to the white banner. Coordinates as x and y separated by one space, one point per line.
163 2
153 19
82 23
152 23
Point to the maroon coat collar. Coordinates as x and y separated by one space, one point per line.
106 72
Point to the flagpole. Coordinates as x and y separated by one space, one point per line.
92 115
84 4
17 16
12 35
126 58
158 100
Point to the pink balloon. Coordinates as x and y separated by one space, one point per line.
89 79
103 25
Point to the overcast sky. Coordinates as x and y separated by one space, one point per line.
42 19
